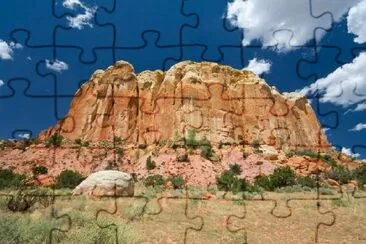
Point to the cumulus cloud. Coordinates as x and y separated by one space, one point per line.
345 86
349 152
80 20
259 66
56 65
7 50
261 20
359 127
24 136
356 21
1 83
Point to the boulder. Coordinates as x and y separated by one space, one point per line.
269 152
106 183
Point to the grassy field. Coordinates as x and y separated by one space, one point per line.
287 216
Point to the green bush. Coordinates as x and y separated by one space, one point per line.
39 170
55 140
256 144
281 177
206 152
119 151
78 141
86 144
227 181
117 140
10 179
191 141
340 174
154 180
306 181
360 175
150 164
263 182
178 182
68 179
240 185
235 169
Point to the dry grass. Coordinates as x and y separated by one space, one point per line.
142 221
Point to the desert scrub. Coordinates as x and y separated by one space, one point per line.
36 227
150 164
10 179
55 140
154 180
177 181
68 179
39 170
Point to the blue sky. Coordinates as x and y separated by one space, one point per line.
49 48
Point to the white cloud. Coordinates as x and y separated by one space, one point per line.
259 66
356 21
7 50
349 152
262 19
1 83
57 65
80 20
359 127
360 107
345 86
24 136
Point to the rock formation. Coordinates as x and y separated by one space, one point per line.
106 183
221 103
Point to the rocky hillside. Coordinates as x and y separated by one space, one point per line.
223 104
192 121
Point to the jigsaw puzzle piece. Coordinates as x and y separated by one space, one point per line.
306 222
71 9
206 27
153 52
146 16
78 40
40 26
216 215
18 105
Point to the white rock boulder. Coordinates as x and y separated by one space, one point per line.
106 183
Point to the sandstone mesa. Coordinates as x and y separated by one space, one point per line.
153 110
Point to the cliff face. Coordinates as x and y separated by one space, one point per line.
219 102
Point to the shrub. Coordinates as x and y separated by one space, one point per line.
239 185
191 141
119 151
86 144
306 181
283 177
263 182
68 179
39 170
154 180
150 164
78 141
225 181
9 179
360 175
117 140
256 144
206 152
178 182
55 140
142 146
183 158
340 174
235 169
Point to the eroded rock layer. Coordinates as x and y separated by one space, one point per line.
224 104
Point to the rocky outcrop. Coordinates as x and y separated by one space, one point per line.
219 102
106 183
